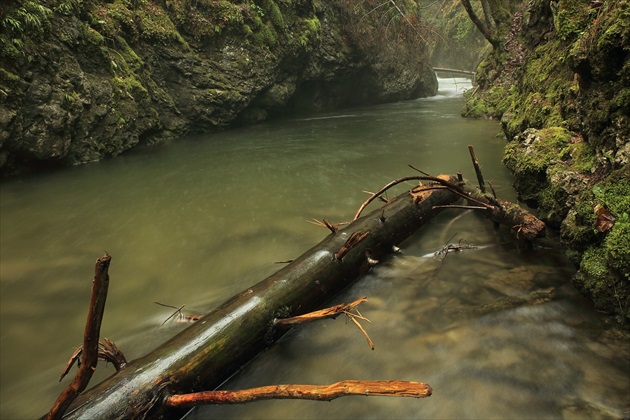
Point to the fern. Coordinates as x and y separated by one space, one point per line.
30 16
12 24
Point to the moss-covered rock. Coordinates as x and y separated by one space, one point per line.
564 109
80 81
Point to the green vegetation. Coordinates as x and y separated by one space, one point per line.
272 11
30 16
22 26
563 101
572 17
310 32
605 265
544 147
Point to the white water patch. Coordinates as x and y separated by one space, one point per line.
451 248
451 87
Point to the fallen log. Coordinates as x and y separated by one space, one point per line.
214 347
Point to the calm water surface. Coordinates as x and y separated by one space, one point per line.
197 221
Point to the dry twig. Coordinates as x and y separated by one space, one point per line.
181 317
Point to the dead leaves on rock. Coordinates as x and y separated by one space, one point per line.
605 219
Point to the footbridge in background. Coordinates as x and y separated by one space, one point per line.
469 73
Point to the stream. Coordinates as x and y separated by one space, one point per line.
497 330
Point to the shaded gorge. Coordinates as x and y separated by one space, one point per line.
498 331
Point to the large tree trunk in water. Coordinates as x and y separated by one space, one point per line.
212 349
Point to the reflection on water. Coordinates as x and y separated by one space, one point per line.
200 220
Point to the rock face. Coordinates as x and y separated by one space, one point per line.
560 86
81 81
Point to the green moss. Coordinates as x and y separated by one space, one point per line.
129 86
93 37
606 264
609 290
577 228
618 31
617 246
622 100
545 147
476 106
115 19
266 36
157 26
614 193
272 11
548 165
595 268
308 33
491 104
582 157
205 19
572 18
571 81
230 15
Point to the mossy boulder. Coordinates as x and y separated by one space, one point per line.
560 89
550 168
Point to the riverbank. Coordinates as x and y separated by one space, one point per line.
83 81
560 85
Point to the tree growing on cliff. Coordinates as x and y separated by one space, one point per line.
496 17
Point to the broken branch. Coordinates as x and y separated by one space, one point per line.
381 191
475 162
89 355
332 312
304 392
107 351
454 188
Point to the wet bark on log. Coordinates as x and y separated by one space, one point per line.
522 222
212 349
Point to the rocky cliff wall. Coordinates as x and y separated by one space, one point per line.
560 84
84 80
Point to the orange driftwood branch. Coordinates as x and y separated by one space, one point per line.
304 392
332 312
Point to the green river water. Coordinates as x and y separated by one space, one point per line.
199 220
